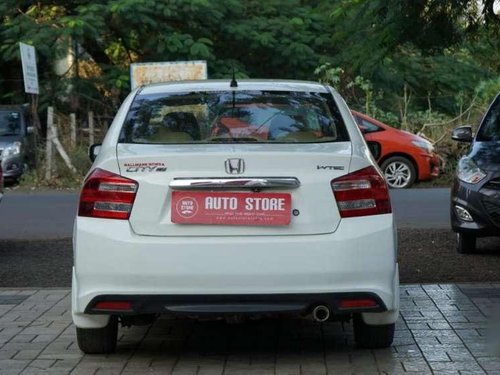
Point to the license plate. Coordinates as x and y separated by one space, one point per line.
225 208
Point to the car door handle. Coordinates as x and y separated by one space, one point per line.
235 183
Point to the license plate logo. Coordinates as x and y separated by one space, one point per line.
187 207
221 208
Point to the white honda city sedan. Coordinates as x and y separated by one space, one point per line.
219 199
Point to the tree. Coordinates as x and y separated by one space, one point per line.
258 39
431 48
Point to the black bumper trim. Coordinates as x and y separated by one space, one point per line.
230 304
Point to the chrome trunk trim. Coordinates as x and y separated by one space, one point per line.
234 183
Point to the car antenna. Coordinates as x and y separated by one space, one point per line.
234 101
234 83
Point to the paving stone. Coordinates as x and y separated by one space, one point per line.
27 354
21 338
42 363
7 354
438 325
149 371
490 363
456 366
469 325
16 346
108 371
436 356
10 372
13 364
415 365
85 371
36 371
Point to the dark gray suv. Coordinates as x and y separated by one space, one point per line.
475 196
15 141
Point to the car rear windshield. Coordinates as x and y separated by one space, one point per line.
10 123
234 116
490 129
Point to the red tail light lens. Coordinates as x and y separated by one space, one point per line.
357 303
113 305
362 193
107 195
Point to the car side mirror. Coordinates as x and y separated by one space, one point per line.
30 129
94 151
462 134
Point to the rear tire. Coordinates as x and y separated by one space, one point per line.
98 340
372 337
466 243
399 172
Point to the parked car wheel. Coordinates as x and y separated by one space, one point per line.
372 337
98 340
466 243
399 172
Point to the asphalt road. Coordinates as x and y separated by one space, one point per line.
421 208
50 215
46 215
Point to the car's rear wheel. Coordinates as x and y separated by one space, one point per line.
98 340
399 172
372 337
466 243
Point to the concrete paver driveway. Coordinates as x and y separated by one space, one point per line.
442 329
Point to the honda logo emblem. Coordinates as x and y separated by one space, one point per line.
235 166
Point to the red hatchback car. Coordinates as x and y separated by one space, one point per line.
403 157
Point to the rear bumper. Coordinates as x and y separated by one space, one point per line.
110 260
230 304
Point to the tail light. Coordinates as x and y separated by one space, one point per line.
107 195
362 193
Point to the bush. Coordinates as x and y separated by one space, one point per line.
62 176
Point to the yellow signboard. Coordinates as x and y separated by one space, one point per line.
158 72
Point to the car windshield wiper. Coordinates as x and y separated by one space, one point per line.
8 134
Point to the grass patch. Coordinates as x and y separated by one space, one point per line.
62 176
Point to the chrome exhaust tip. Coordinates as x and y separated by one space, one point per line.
321 313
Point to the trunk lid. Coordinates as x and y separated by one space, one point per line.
313 165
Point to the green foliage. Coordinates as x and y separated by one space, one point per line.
372 51
487 90
431 47
62 177
278 38
358 91
329 75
